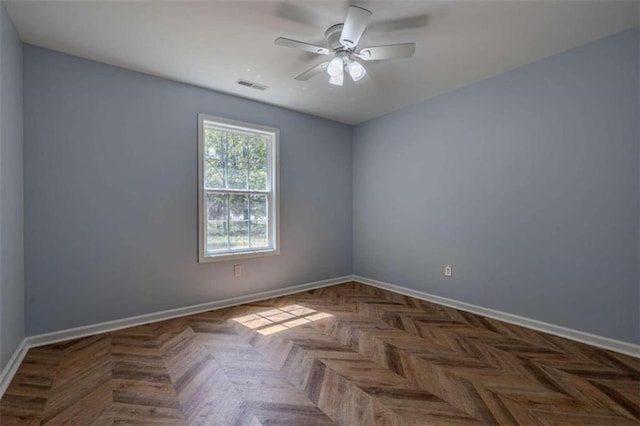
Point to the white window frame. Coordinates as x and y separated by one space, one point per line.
273 186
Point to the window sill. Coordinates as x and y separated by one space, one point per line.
236 256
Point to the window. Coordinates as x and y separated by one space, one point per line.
238 189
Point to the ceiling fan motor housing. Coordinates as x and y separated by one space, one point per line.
333 37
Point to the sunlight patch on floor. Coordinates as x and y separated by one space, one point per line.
280 319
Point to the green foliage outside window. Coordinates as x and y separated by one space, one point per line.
236 161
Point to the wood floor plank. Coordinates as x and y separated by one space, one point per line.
349 354
142 389
81 388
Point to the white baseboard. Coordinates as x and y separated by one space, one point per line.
12 366
568 333
104 327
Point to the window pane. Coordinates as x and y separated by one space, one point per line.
214 159
259 235
257 147
258 208
213 143
213 174
259 221
237 167
216 222
239 221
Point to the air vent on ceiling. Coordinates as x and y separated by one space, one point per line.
251 84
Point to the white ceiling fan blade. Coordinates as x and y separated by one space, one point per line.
391 51
354 26
318 69
287 42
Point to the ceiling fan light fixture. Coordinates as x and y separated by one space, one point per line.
356 70
335 67
337 80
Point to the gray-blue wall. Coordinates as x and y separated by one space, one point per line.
111 195
12 319
527 183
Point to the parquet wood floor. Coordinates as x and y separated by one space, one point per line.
348 354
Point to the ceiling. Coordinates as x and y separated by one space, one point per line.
213 44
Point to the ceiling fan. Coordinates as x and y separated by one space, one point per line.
342 44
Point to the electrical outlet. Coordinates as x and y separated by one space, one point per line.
237 270
448 270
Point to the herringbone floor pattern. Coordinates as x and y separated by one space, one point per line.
348 354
